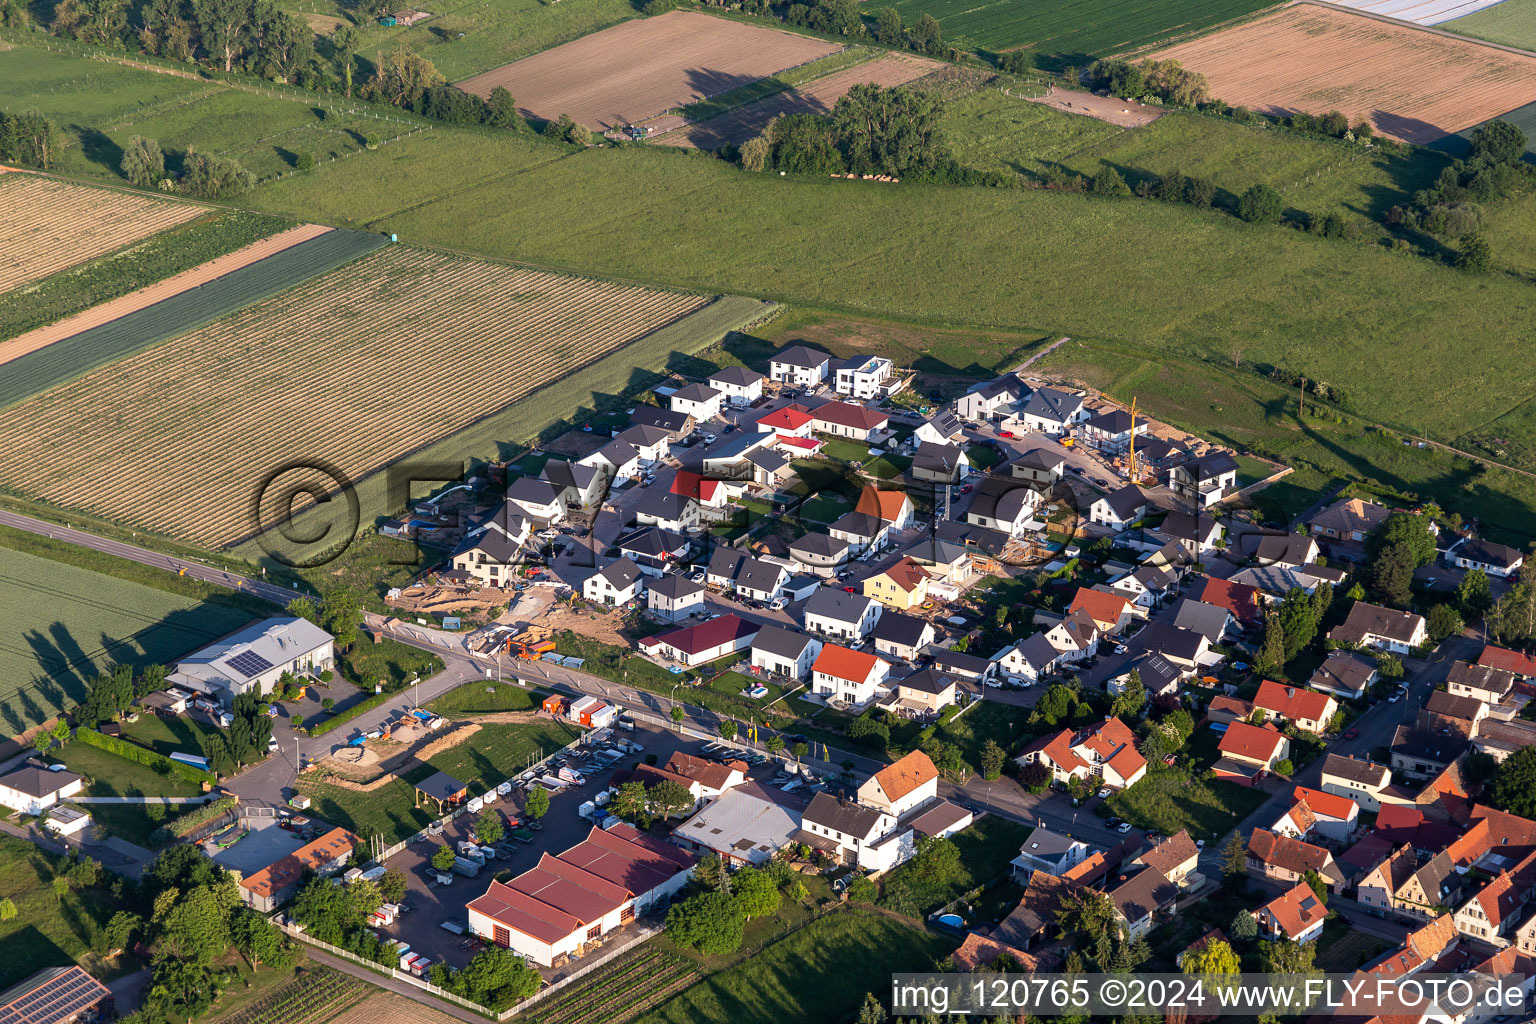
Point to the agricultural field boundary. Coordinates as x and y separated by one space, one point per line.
602 382
143 298
1408 24
65 360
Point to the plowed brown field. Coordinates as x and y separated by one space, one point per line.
356 367
157 292
641 68
1412 85
49 225
816 97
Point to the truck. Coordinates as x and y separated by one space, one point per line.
466 867
569 774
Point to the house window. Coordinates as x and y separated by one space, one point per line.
593 932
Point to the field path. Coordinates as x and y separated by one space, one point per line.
121 306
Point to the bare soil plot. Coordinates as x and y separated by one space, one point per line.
1125 113
640 68
51 225
356 367
1412 85
387 1006
160 290
817 97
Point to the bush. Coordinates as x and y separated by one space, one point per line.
143 755
304 161
1260 205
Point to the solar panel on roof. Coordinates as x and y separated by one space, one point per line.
249 663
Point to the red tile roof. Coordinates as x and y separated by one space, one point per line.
847 414
1329 805
791 417
1295 911
1105 608
1238 598
907 774
854 666
1292 702
506 905
1508 661
694 485
287 870
906 574
1254 742
1280 851
705 635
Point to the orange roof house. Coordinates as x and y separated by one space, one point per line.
1334 816
889 506
1110 612
1308 709
910 782
1249 750
1286 859
265 889
1297 915
1238 598
1109 745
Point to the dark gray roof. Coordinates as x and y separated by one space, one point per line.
1116 421
1452 706
936 552
1285 548
737 376
983 538
1211 466
1002 498
617 453
1007 384
946 423
1207 619
1345 670
780 641
767 458
696 393
819 544
568 474
900 628
1157 672
938 458
37 781
1489 553
1170 640
838 605
662 504
496 545
440 786
927 681
800 355
1143 894
674 587
1126 501
1053 404
1039 652
1367 773
860 524
1482 677
1039 458
1375 620
843 816
961 662
744 570
1182 525
652 541
643 435
1432 748
533 490
622 573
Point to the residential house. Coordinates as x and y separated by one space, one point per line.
1211 621
1075 637
790 421
1498 560
1176 857
1248 751
839 615
652 443
782 652
1296 550
1431 886
820 553
1111 613
990 400
1053 411
768 468
1119 509
756 579
1370 625
1005 505
583 487
1111 432
1348 520
616 583
32 790
1296 914
670 511
852 677
699 401
863 377
1244 602
851 832
799 366
674 598
492 552
1344 674
1378 888
1028 660
1158 675
1298 821
1106 751
713 495
1283 859
652 549
1183 647
1362 781
1489 685
902 636
676 425
1039 466
1303 708
902 585
541 501
1138 898
940 464
739 385
893 507
704 642
945 561
616 460
1422 755
847 419
943 427
1448 713
1499 739
1147 586
713 778
963 666
860 531
1523 666
1198 534
1497 909
1205 480
1050 852
1334 817
906 784
924 693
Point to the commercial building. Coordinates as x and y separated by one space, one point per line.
254 658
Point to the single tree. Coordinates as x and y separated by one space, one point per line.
443 858
872 1012
1284 768
1318 886
728 730
710 922
775 744
489 827
1234 859
678 714
143 163
1260 205
1442 621
1271 656
800 749
755 893
1514 784
1243 927
993 757
756 152
1216 957
7 909
1475 595
537 804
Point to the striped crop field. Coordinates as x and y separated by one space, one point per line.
51 225
1071 32
355 368
1511 22
46 367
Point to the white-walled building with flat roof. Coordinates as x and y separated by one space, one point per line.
254 658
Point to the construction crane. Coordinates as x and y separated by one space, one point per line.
1130 466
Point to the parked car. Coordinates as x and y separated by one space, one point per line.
709 438
1350 734
1125 827
1104 793
1007 434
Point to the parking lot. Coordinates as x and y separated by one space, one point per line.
431 904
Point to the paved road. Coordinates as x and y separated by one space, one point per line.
185 566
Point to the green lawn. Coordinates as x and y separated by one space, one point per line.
388 662
46 931
476 698
494 754
819 973
986 848
1169 799
67 622
166 736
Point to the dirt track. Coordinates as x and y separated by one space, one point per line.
640 68
816 97
1125 113
1412 85
158 292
